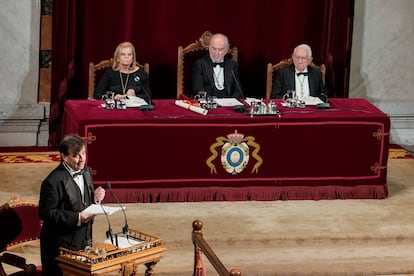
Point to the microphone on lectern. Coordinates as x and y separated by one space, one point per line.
109 232
148 106
241 107
125 228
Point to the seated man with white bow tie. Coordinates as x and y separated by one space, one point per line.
299 76
64 194
216 73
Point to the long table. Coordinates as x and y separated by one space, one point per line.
174 154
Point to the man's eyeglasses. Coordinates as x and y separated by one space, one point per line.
300 58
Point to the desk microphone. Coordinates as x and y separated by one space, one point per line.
125 228
148 106
326 104
240 108
109 232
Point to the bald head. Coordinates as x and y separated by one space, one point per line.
218 48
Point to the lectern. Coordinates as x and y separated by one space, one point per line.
141 248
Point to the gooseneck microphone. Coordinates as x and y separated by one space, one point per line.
125 228
148 106
109 234
240 108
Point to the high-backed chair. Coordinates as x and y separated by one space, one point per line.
20 226
285 62
187 56
96 70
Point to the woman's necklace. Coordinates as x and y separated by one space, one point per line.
124 85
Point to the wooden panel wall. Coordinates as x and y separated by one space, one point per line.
45 70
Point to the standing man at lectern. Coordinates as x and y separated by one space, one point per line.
216 73
299 76
64 194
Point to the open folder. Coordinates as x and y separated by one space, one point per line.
97 209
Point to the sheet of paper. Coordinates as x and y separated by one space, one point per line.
309 100
134 101
124 242
250 100
97 209
228 102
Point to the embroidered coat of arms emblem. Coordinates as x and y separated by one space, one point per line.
235 153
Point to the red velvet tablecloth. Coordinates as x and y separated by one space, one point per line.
174 154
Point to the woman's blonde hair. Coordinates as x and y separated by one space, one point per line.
117 53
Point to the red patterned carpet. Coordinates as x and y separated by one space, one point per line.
30 157
396 151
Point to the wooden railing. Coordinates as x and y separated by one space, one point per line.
201 244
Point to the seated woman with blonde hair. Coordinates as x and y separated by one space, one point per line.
125 78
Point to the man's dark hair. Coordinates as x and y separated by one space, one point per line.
72 142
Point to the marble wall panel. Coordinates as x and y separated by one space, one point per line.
20 112
382 63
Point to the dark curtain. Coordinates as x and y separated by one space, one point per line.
336 45
63 63
263 30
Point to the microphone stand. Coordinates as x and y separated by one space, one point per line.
109 234
148 106
326 104
242 107
125 228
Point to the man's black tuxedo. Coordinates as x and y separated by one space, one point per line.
284 79
60 203
203 79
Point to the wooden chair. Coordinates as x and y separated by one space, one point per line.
285 62
20 226
96 70
186 57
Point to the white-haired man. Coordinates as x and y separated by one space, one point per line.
299 76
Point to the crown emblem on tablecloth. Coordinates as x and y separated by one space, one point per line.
235 137
234 153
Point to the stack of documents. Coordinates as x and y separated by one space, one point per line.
309 100
228 102
134 101
124 242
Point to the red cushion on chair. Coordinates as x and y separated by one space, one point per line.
31 223
11 226
21 224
